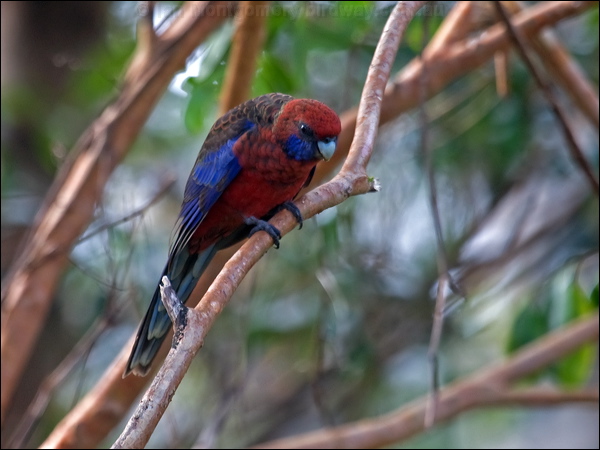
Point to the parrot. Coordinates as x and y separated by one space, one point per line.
254 161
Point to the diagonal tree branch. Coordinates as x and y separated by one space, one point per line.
456 26
564 69
540 396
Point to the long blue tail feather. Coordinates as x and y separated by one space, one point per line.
183 271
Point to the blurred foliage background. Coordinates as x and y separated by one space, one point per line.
335 325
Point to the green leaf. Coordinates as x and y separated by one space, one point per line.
573 370
414 32
272 76
217 50
529 325
200 106
573 304
594 296
204 89
204 94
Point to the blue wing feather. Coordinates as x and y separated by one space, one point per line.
211 175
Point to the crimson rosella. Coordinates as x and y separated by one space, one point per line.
254 161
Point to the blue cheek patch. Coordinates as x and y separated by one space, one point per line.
298 149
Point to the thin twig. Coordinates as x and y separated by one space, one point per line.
444 277
442 258
576 152
564 69
369 109
164 188
207 438
171 302
434 345
540 396
501 69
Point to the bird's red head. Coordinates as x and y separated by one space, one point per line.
307 129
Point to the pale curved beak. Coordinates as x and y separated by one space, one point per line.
327 147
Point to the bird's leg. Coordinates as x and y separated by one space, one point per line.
291 207
261 225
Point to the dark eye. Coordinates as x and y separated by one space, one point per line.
306 130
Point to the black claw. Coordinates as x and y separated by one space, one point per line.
261 225
291 207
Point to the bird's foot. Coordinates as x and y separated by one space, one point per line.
291 207
261 225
